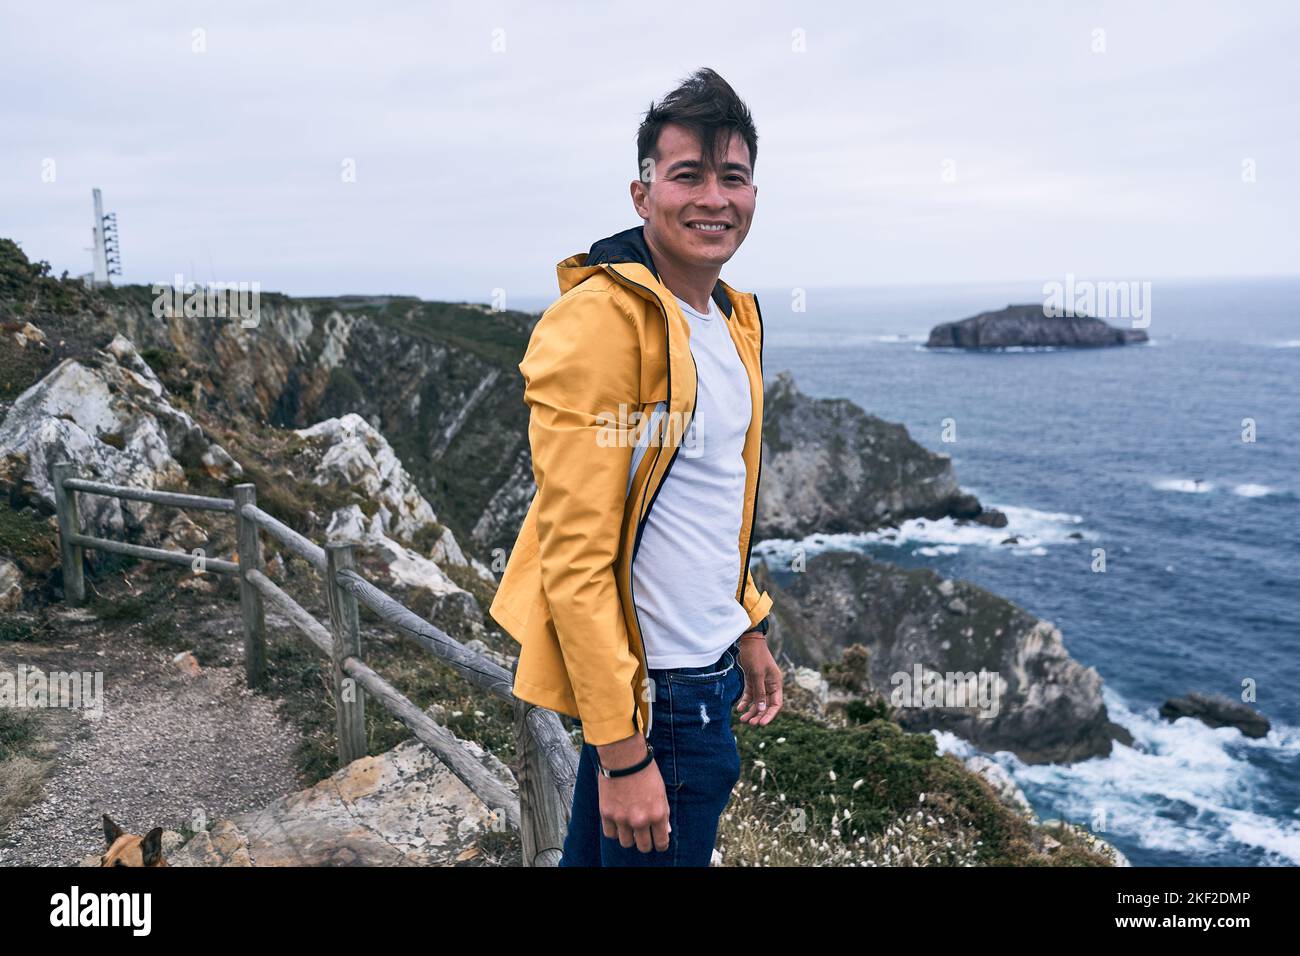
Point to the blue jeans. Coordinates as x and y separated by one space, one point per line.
698 760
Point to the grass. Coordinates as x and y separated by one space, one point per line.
18 629
20 368
872 794
17 733
301 679
21 770
24 534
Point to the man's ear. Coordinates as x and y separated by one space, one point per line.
639 198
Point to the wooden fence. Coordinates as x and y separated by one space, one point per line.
546 762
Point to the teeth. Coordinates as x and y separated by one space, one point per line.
708 228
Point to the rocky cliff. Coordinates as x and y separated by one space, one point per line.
1048 707
829 467
400 424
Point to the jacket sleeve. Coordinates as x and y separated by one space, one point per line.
582 362
757 604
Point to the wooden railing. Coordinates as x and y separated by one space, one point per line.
546 762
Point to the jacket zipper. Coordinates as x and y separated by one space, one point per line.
749 545
636 543
641 523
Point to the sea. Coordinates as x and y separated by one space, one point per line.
1177 462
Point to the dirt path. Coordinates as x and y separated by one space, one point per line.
170 749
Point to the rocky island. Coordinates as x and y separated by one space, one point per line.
1029 326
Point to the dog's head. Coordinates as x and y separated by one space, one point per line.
129 849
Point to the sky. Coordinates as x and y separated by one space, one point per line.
447 150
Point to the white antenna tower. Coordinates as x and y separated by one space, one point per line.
108 261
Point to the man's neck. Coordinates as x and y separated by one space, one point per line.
694 286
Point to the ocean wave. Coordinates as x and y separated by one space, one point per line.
1253 491
1183 787
900 338
1200 486
1032 530
1288 344
1191 486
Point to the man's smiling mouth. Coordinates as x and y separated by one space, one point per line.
704 226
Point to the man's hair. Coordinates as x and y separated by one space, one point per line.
706 104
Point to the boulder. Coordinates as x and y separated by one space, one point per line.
110 416
400 808
1217 711
11 586
351 453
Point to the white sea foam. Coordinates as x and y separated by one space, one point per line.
1200 486
1288 344
1252 491
899 338
1191 486
1033 529
1182 787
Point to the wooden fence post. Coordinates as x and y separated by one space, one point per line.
543 818
249 544
65 503
345 625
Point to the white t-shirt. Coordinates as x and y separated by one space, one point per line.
687 568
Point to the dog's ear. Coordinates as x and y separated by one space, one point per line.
111 831
151 846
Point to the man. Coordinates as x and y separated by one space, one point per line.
629 591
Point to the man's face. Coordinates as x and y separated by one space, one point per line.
683 197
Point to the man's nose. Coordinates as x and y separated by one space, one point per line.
710 194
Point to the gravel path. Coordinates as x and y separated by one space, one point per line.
170 748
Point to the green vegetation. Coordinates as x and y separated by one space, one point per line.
18 629
863 786
27 288
300 679
20 368
25 534
17 733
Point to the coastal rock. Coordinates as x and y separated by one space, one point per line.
1029 326
407 575
351 453
11 586
996 776
394 523
399 808
1217 711
830 467
109 415
1042 705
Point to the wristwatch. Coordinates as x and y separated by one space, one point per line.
649 755
762 626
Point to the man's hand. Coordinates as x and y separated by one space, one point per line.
633 808
761 701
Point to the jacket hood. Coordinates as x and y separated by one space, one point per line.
630 246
